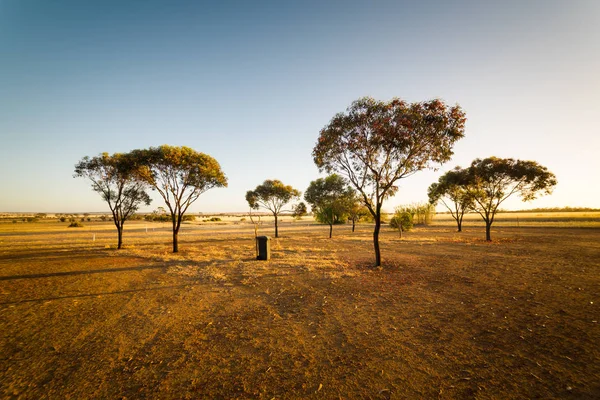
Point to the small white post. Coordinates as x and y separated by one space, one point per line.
94 238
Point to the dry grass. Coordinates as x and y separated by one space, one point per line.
449 316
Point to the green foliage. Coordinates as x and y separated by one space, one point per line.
374 144
451 191
422 213
299 210
402 220
180 175
63 219
272 195
492 180
331 199
115 178
75 224
158 215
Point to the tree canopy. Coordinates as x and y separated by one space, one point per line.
272 195
375 143
490 181
114 178
451 191
180 175
331 200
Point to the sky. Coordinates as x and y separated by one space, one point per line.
252 83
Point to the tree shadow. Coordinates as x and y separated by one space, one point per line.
73 273
76 296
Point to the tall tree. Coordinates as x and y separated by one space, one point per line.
114 178
374 144
492 180
451 191
180 175
272 195
330 199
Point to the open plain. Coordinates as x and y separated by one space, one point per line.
448 316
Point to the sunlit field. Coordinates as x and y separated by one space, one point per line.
448 316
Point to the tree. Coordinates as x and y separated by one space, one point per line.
272 195
492 180
357 212
451 191
114 178
402 220
299 210
180 175
330 199
374 144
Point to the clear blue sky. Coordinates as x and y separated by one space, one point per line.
252 82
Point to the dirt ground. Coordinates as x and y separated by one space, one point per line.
449 316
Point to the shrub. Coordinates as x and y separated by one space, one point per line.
75 224
403 220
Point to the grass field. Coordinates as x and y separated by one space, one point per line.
449 316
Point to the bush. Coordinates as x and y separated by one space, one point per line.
402 219
75 224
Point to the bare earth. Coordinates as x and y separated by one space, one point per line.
449 316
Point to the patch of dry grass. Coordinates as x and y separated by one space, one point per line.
449 315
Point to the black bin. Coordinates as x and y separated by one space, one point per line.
264 248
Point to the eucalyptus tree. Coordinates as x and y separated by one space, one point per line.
451 191
299 210
492 180
375 143
331 200
180 175
271 195
357 212
114 177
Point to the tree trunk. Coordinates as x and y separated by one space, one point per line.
353 224
175 241
376 237
488 229
459 223
276 230
120 233
330 230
